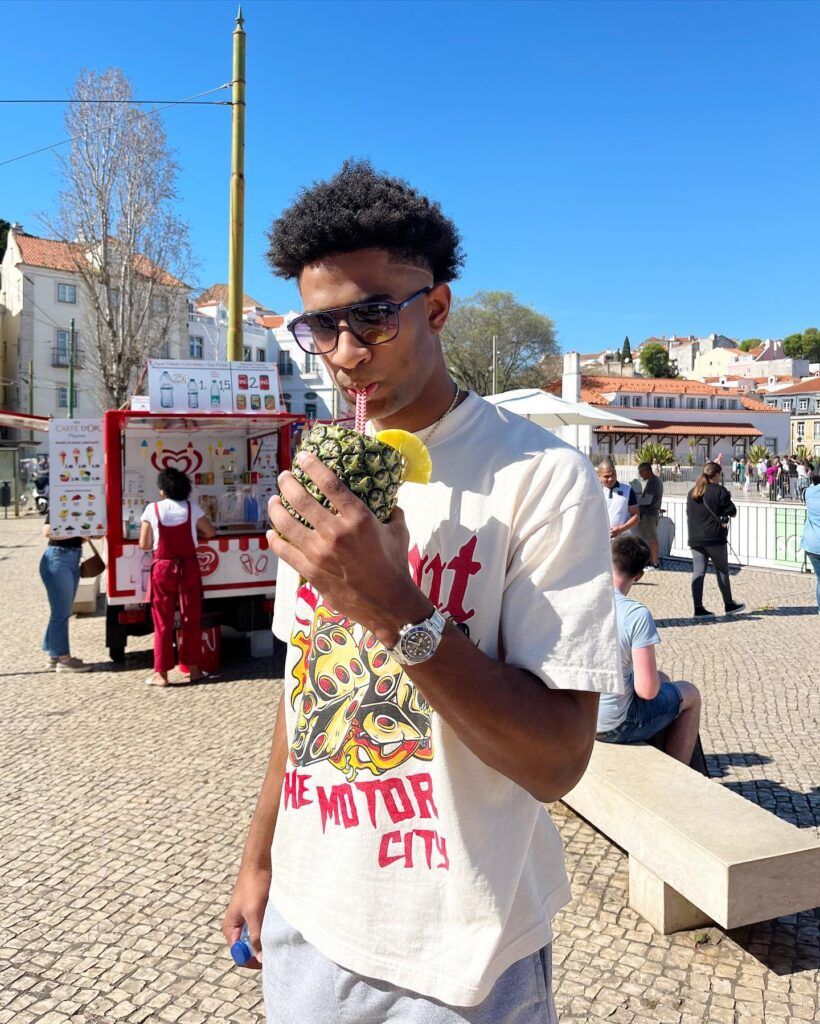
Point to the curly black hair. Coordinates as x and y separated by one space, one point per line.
360 209
174 484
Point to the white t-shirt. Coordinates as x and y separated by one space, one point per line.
397 852
171 513
619 499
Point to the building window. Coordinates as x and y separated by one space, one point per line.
286 398
740 449
62 398
817 405
804 405
61 353
311 363
658 402
690 403
787 405
67 293
816 429
721 403
636 399
732 403
285 365
670 403
310 410
702 403
247 354
800 427
771 443
261 355
196 346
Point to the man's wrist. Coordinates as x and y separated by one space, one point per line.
394 620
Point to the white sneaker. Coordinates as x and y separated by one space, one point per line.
52 664
651 568
73 665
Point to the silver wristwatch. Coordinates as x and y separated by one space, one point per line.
419 641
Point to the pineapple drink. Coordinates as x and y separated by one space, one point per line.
373 468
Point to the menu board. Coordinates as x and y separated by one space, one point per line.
76 478
194 387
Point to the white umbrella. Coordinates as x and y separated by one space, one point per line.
549 410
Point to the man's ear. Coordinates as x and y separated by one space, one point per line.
439 302
639 577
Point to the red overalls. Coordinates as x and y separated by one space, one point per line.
175 575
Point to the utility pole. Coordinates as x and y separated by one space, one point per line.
495 364
31 395
71 369
237 244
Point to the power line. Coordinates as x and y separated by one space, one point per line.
137 103
85 135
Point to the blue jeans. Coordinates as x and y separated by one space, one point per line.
815 564
60 573
645 718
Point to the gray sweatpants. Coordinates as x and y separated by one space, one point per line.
301 986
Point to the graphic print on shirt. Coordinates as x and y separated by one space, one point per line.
355 706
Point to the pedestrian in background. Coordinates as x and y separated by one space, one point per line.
170 528
811 529
750 475
649 505
771 478
709 507
60 573
621 503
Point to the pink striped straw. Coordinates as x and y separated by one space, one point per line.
361 412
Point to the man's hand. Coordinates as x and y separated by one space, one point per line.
247 906
356 562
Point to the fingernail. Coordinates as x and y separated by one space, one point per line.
302 457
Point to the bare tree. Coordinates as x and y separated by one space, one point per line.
128 246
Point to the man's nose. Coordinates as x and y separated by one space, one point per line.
349 352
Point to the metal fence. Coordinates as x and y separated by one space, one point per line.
765 534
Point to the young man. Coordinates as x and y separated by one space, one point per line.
649 506
651 702
621 503
428 713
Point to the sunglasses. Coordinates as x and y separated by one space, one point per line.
371 323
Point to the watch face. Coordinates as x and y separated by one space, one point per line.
418 644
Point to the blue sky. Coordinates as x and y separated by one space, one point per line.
625 168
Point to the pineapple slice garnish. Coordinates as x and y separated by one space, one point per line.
417 462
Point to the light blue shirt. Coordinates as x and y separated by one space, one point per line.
636 629
811 529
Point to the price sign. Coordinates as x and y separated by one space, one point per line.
76 478
195 387
255 387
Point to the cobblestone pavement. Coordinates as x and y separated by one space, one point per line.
123 809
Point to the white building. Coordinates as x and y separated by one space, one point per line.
692 419
307 387
40 293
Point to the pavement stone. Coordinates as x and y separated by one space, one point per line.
124 810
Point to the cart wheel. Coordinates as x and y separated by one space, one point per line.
117 654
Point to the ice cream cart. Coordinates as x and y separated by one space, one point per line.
232 459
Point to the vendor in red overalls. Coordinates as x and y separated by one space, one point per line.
169 529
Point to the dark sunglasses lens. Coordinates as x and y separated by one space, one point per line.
374 322
316 333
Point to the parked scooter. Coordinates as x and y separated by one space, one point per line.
41 489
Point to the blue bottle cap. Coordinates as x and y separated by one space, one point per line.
241 953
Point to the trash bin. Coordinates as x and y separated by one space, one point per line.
5 494
666 536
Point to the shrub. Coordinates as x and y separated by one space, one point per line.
654 451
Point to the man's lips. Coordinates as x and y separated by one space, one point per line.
368 389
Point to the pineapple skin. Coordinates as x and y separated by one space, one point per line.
371 469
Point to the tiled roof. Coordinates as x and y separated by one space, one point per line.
48 252
56 255
805 387
219 293
595 389
688 429
271 321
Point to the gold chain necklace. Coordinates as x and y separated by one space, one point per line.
437 424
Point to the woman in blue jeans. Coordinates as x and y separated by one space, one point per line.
811 529
60 573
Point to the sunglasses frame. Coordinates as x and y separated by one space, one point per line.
395 309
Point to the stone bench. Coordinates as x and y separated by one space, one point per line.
698 853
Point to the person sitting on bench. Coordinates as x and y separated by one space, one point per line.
651 702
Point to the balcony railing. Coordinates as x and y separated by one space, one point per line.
287 369
59 356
